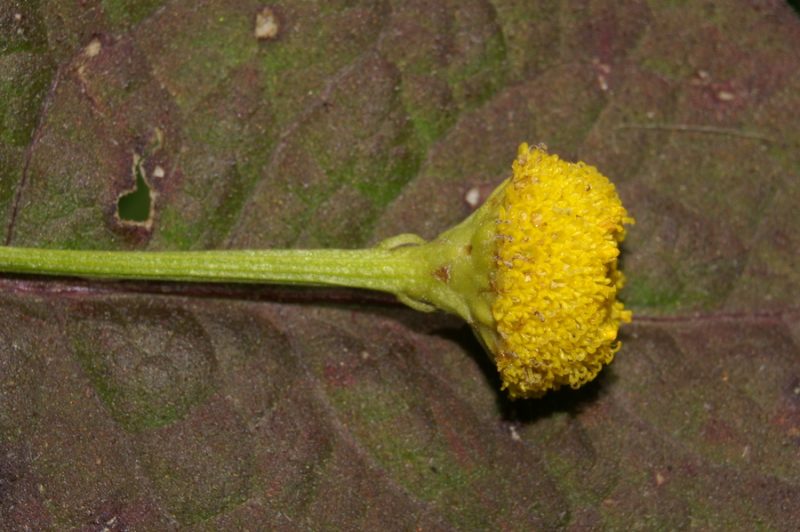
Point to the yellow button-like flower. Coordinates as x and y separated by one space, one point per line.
556 279
534 271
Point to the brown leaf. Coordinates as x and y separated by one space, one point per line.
160 406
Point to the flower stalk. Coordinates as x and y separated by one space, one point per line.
533 271
399 266
375 269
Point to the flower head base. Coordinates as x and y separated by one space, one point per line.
534 271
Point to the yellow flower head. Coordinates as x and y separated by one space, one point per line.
534 272
556 279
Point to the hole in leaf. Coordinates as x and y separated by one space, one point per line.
135 206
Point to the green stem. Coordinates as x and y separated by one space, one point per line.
397 271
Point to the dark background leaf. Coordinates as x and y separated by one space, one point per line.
161 406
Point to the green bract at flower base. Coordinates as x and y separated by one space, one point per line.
533 271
